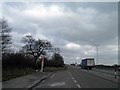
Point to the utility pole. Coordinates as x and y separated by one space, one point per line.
96 53
97 45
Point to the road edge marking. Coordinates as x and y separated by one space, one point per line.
52 75
74 79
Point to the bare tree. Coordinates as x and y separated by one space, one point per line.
5 37
58 60
36 48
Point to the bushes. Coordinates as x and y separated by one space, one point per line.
12 61
108 67
53 63
17 60
15 65
54 69
13 73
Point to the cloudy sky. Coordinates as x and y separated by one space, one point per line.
76 28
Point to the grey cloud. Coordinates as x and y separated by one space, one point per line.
79 23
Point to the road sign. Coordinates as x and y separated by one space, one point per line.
42 64
42 60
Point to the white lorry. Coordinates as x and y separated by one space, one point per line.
87 63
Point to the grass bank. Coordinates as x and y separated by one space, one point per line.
13 73
54 69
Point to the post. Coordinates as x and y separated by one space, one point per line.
42 64
36 67
97 54
115 71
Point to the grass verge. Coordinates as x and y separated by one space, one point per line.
54 69
14 73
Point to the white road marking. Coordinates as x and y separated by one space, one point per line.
52 75
70 75
78 85
57 84
74 80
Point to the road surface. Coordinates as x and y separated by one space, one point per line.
75 77
110 72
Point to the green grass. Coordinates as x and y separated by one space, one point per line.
13 73
54 69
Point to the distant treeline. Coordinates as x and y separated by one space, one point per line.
107 66
20 61
27 55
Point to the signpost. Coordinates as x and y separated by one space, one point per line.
42 64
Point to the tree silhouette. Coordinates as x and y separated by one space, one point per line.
36 48
5 37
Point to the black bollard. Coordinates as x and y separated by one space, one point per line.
115 73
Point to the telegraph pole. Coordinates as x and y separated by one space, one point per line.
96 44
96 53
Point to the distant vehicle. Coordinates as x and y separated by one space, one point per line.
87 63
72 64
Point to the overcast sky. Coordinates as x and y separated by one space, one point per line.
73 27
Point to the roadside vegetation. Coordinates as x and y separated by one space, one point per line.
55 69
28 58
108 67
14 73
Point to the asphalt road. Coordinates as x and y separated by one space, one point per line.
87 80
76 78
59 80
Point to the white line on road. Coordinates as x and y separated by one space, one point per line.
70 75
78 85
52 75
74 80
